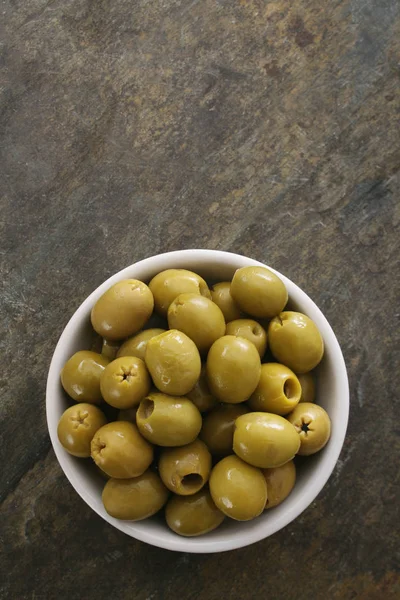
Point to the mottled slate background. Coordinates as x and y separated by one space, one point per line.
132 127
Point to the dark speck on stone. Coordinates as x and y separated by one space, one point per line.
302 36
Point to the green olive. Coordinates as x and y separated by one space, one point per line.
238 489
295 341
81 374
265 440
258 292
128 414
218 427
200 395
168 420
109 349
136 345
167 285
280 482
199 318
125 382
233 369
186 469
193 515
250 330
307 387
135 499
221 295
77 426
313 426
174 362
278 390
120 451
122 310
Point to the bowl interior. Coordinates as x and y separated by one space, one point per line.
312 473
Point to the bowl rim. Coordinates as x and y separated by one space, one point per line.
200 544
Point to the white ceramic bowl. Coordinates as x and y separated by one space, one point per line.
333 396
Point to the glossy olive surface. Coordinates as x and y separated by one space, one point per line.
258 292
173 361
185 470
168 420
77 426
278 390
167 285
120 451
313 426
135 499
122 310
265 440
221 295
125 382
137 344
199 318
193 515
238 489
80 376
295 341
233 369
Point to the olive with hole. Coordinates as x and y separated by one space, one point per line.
218 427
307 383
265 440
201 395
168 420
81 374
174 362
193 515
280 482
77 426
185 470
238 489
125 382
135 499
233 369
250 330
120 451
278 390
122 310
109 349
313 426
167 285
221 295
295 340
199 318
259 292
136 345
128 414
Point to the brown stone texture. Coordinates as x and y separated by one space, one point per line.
267 128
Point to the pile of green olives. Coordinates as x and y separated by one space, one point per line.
205 414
